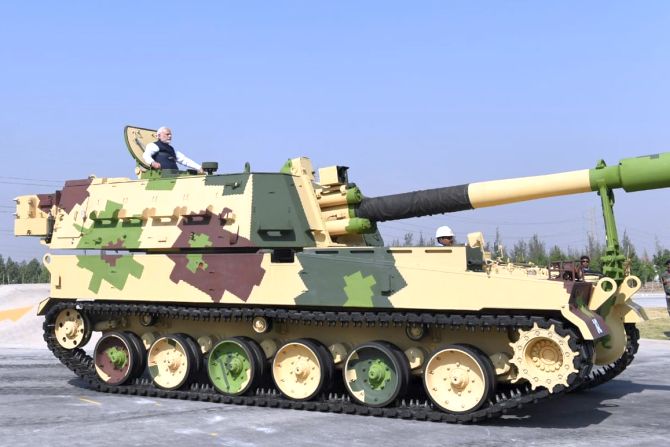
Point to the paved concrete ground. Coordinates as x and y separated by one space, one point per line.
42 403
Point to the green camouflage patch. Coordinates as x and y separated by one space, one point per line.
195 262
233 184
161 184
107 231
112 268
349 277
359 290
278 218
287 168
199 240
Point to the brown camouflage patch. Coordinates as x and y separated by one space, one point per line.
211 224
237 273
578 304
120 244
111 259
73 193
46 201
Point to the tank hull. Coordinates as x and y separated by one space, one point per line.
349 277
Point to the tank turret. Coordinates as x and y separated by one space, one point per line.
275 289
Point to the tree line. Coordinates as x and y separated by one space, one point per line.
24 272
534 250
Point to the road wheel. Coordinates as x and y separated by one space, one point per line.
173 360
459 378
376 373
118 358
302 369
236 365
72 329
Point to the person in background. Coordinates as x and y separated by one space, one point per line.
665 280
584 264
444 236
584 268
161 155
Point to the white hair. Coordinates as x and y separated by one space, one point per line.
161 129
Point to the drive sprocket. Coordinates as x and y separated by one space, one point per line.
543 357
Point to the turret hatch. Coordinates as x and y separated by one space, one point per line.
137 139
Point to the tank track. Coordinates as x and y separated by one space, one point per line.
511 398
603 374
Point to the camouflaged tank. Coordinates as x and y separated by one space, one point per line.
275 289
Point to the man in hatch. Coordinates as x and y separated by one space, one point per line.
161 155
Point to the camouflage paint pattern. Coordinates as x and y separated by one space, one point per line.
264 239
349 277
335 278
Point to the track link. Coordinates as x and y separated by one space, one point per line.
603 374
511 398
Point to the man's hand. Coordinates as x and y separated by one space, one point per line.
155 165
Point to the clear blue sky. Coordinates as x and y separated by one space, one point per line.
410 95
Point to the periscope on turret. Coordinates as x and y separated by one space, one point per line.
276 289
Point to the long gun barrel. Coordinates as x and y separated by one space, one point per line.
631 174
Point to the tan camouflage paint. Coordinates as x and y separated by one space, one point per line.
498 192
436 279
30 220
160 210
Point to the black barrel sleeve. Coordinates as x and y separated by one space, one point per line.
415 204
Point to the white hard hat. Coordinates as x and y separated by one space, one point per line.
444 231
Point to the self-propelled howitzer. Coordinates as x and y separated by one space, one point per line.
275 289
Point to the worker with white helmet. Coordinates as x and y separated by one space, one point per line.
444 236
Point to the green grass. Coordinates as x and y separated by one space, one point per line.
658 325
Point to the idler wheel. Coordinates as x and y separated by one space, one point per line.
72 329
173 360
119 357
302 369
236 365
376 373
459 378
